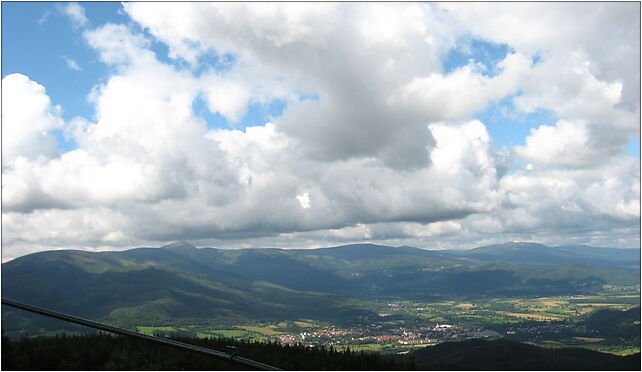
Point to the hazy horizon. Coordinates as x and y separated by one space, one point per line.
4 260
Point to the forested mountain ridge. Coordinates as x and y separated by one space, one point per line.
533 253
179 281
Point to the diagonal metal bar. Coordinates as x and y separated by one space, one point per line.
119 331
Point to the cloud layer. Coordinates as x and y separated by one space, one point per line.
376 140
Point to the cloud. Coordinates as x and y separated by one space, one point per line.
43 17
76 13
227 97
606 33
458 95
588 69
28 117
568 143
304 199
145 145
376 141
117 45
580 200
331 51
575 95
72 64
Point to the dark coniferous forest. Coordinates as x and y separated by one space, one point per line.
105 352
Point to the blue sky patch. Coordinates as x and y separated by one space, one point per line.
536 60
489 54
509 127
38 40
214 120
257 114
633 149
212 60
65 144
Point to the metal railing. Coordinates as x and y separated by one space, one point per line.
232 357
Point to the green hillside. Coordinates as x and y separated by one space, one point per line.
181 283
539 254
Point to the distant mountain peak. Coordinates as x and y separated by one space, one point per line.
523 243
183 245
514 244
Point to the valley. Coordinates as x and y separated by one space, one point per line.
360 297
406 325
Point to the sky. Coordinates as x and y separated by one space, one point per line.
302 125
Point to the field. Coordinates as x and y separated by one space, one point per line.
617 350
510 310
151 330
267 331
363 347
529 316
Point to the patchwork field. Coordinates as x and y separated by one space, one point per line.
267 331
529 316
547 321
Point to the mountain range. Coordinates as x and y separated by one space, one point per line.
180 281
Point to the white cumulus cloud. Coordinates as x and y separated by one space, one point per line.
28 118
376 141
